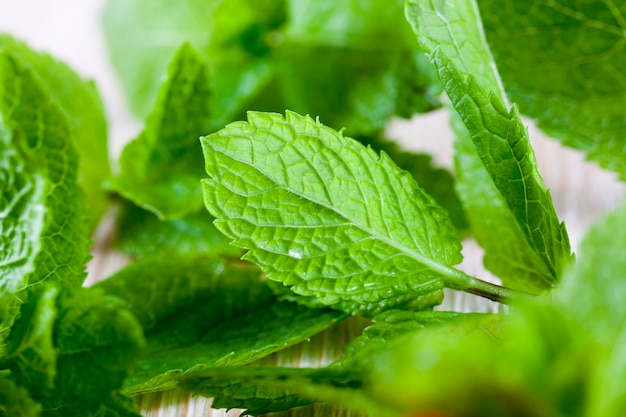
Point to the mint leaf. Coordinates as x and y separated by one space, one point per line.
159 169
98 341
15 401
273 54
560 61
261 390
393 323
80 101
31 354
355 75
63 336
437 182
140 233
590 297
233 35
452 36
330 218
202 311
42 206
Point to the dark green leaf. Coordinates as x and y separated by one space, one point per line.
43 221
204 311
80 102
562 63
140 233
525 243
15 401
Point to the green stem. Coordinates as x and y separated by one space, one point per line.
473 285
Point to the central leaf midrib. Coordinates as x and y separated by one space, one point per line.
432 264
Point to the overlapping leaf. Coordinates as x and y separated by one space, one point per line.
44 228
519 210
80 102
328 217
562 63
63 336
201 311
353 63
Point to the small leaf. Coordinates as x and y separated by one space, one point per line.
160 169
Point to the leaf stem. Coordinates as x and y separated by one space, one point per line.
494 292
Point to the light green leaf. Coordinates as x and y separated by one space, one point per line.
353 63
452 36
80 101
44 229
201 311
232 34
437 182
562 63
160 169
330 218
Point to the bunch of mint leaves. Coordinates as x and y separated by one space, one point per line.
306 226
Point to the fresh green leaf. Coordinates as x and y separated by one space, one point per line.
561 62
140 233
438 182
98 340
261 389
204 311
62 337
590 296
42 207
452 36
353 63
15 401
233 35
81 103
394 323
160 169
330 218
31 354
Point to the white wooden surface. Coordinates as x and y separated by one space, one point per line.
69 29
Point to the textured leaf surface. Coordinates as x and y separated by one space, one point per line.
233 34
44 229
562 63
261 389
437 182
160 169
204 311
31 352
80 101
327 216
452 36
